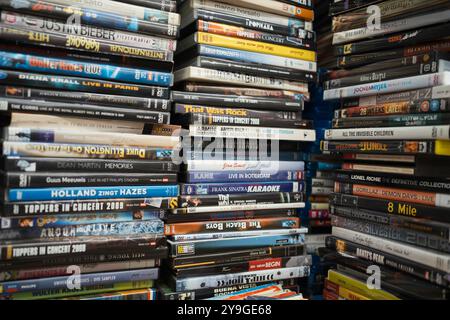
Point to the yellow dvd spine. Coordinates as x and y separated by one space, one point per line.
359 287
442 148
255 46
351 295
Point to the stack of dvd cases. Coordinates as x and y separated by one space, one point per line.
242 73
392 196
87 146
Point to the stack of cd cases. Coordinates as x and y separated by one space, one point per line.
87 146
391 200
242 70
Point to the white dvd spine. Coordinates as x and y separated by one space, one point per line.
380 169
440 261
248 13
320 206
252 133
218 281
259 206
402 84
125 9
225 77
236 234
390 133
91 137
42 121
244 165
391 27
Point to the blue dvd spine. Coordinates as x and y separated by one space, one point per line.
235 188
67 282
79 219
101 71
187 248
155 226
126 192
242 176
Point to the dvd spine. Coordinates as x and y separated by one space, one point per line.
389 260
42 165
9 77
83 110
48 25
251 69
50 179
163 5
48 194
214 188
29 250
392 121
241 278
43 208
253 57
33 63
58 150
231 225
154 226
397 208
240 32
201 119
384 147
441 132
385 231
395 194
235 211
410 83
204 247
288 134
249 176
243 165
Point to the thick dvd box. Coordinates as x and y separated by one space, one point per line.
153 226
45 24
42 165
51 179
200 247
240 278
224 77
234 188
43 208
9 77
33 63
116 20
38 194
230 225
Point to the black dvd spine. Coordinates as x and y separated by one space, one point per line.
440 230
32 250
392 121
360 60
30 164
100 257
397 181
385 147
84 110
9 77
39 208
85 98
398 208
382 75
392 233
251 23
403 39
337 7
388 260
224 101
102 19
49 179
252 69
240 199
72 42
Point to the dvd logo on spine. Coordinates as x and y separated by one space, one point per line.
374 20
74 280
